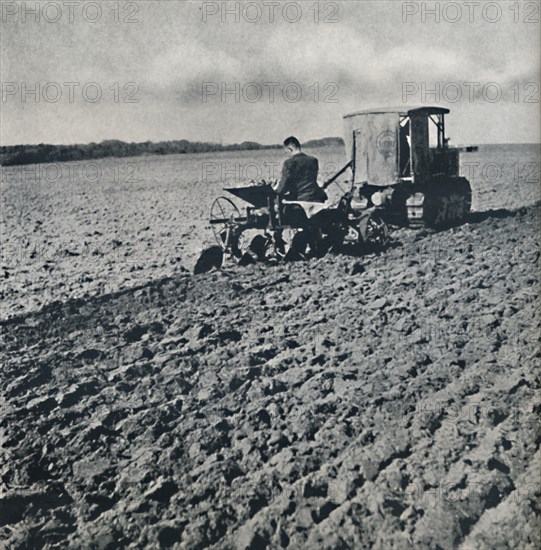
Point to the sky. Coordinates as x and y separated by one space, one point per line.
233 71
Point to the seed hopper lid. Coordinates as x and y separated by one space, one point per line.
256 195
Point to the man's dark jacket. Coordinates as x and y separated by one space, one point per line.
299 179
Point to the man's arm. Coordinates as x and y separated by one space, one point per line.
285 179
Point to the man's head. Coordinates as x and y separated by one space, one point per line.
292 145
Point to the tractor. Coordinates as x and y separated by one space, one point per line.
403 173
402 163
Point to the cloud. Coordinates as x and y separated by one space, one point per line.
369 53
191 61
334 54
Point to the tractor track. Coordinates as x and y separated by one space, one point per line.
379 402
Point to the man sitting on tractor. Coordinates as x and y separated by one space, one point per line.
299 175
298 190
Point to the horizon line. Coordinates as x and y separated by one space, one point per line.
236 143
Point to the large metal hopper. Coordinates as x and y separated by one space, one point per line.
256 195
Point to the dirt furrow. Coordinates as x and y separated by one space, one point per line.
344 402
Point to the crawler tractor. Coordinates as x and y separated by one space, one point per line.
402 163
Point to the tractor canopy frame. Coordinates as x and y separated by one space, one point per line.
391 145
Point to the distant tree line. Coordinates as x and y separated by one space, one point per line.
12 155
